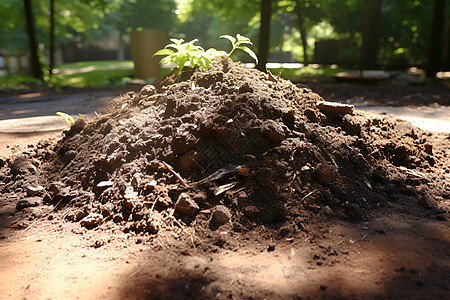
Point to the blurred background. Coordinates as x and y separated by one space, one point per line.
82 43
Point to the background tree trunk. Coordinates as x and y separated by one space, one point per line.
52 37
436 37
301 28
121 48
371 34
34 59
264 35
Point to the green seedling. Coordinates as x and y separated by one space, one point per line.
237 43
67 117
185 54
189 55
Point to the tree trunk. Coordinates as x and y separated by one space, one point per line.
52 37
264 35
34 59
437 31
301 27
371 34
446 58
121 47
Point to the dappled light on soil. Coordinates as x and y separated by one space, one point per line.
228 183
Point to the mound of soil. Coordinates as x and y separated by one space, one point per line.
228 146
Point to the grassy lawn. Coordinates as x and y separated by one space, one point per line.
19 82
92 74
97 64
117 73
92 78
307 73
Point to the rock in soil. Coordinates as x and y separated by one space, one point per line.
29 202
33 190
221 214
92 220
186 206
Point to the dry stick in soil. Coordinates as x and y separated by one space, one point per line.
43 267
183 182
151 209
309 194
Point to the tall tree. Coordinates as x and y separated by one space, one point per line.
301 27
264 34
33 47
371 34
436 37
52 36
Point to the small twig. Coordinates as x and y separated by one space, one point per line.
183 182
238 190
32 224
176 221
151 209
43 267
334 163
193 235
271 77
198 164
309 194
67 212
193 244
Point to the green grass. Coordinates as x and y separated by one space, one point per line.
92 74
92 79
307 73
97 64
19 82
117 73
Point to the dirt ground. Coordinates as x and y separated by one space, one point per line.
391 255
283 241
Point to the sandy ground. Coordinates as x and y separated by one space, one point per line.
388 256
394 253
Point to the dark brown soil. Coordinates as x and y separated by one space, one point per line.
233 160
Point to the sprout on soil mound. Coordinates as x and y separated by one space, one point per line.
238 141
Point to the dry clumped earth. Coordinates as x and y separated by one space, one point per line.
234 183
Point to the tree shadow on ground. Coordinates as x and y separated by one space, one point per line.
400 252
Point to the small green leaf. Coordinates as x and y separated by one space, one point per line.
67 117
228 37
164 52
251 53
193 42
166 60
242 38
243 42
213 53
177 41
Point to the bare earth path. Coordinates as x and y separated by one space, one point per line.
388 256
397 252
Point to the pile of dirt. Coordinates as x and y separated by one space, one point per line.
228 145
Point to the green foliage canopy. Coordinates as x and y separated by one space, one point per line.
404 37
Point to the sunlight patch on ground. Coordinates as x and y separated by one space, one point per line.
292 271
442 75
67 71
284 65
435 119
